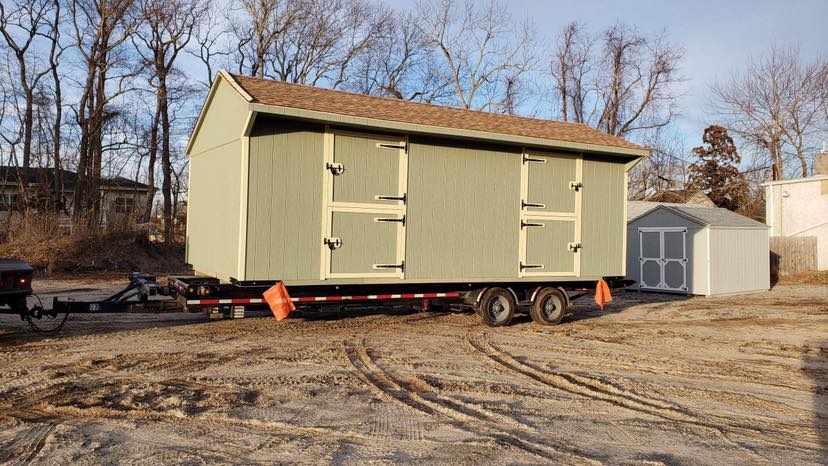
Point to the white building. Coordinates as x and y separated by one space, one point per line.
799 207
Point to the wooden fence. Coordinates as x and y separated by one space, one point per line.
789 255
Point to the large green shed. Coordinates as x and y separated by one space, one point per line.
314 186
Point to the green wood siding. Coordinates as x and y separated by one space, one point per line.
213 211
602 218
284 200
463 211
364 242
369 170
548 246
224 122
548 184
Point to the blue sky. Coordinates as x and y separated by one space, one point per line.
717 36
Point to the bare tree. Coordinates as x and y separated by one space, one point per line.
571 67
483 50
257 25
401 64
56 50
209 36
292 40
100 28
777 106
21 22
666 169
618 81
167 29
636 92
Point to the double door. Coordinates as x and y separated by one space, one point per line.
550 211
663 259
365 185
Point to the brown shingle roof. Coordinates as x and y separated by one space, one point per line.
277 93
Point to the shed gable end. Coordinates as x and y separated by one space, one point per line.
222 120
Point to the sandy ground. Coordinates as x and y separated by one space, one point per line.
655 379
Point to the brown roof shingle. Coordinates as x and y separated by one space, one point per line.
277 93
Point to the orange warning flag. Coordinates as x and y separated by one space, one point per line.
602 293
279 301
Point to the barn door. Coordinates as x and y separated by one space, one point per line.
365 214
550 215
663 259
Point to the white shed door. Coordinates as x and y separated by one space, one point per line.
663 259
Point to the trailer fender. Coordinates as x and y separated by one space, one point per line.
568 302
472 297
537 290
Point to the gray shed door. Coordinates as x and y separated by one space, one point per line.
365 179
663 259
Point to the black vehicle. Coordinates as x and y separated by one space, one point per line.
15 284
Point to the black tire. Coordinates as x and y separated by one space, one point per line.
496 307
549 306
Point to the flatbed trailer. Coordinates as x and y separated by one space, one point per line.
494 302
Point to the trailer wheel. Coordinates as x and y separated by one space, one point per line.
549 306
496 307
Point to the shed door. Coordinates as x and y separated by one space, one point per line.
365 185
550 210
663 259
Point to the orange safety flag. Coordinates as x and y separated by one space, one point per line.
279 301
602 293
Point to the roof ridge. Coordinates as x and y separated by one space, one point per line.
281 94
235 76
393 99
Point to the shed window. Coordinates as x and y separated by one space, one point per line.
124 205
10 201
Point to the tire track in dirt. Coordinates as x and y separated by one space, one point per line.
25 447
682 367
674 366
459 415
592 388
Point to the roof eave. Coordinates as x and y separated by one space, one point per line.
411 128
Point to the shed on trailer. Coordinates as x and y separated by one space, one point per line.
322 187
696 250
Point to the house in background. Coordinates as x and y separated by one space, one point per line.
120 196
799 207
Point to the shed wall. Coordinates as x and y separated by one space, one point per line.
213 210
225 123
602 218
739 260
463 210
284 200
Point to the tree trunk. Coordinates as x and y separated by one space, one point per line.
58 189
166 163
153 155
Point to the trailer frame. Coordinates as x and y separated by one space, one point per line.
220 300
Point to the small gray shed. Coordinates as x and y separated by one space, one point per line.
696 250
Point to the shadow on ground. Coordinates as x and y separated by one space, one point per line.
14 331
815 365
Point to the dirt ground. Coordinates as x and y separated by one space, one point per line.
654 379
